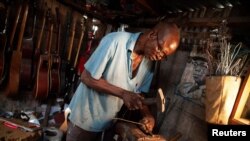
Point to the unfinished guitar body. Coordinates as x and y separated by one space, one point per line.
130 132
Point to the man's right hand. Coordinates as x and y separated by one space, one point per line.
133 101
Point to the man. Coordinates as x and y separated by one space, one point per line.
117 73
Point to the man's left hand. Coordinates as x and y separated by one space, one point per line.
148 124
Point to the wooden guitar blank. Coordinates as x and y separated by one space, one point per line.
13 83
4 66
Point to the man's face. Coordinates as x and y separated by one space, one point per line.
200 70
160 46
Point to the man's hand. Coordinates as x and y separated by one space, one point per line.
132 100
148 121
148 124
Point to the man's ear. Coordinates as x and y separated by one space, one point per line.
152 34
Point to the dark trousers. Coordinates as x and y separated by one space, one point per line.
74 133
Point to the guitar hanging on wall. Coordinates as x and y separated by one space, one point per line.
56 60
37 50
15 66
3 43
8 50
27 55
43 69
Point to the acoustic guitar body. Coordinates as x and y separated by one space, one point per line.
26 64
42 80
13 83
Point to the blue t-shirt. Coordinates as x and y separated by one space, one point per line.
92 110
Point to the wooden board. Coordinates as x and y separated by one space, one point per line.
17 134
20 124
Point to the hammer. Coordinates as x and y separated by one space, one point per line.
159 100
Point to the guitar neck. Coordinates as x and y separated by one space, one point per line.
6 21
15 25
71 41
58 30
40 35
50 33
78 49
80 43
34 8
50 37
19 44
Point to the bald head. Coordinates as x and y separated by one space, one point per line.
169 28
169 36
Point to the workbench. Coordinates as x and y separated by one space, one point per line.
10 132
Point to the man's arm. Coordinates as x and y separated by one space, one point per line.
130 99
